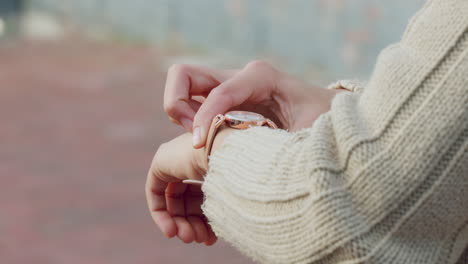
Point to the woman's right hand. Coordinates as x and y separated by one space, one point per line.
257 87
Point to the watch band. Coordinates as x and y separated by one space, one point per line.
218 121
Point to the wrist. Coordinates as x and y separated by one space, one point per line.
286 94
303 103
200 163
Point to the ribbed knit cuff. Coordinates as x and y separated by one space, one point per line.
259 148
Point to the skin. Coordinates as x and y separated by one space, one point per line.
193 96
176 207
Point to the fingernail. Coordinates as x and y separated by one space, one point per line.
196 136
186 123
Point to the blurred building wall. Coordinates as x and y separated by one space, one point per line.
9 7
339 37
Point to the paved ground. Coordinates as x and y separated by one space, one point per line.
79 125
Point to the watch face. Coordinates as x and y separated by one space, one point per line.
244 116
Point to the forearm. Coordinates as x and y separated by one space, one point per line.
291 198
368 181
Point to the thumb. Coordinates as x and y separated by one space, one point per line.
228 95
217 102
252 84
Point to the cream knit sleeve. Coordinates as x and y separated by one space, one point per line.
381 178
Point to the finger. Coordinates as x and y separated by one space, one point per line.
185 122
193 200
176 208
212 238
194 104
155 196
165 223
182 113
184 229
184 81
175 198
229 94
199 228
253 84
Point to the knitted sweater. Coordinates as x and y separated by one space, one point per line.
381 178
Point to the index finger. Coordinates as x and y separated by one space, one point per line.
254 84
183 82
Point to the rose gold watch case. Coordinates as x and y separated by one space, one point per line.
234 119
244 119
237 120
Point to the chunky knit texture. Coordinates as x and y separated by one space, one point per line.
381 178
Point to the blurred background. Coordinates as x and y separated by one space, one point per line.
81 85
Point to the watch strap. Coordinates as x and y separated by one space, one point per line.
218 120
270 123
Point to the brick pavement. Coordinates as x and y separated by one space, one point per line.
80 122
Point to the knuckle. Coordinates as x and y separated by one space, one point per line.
155 164
179 68
160 150
258 64
173 109
170 108
264 70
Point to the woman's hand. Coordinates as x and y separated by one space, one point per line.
291 103
174 206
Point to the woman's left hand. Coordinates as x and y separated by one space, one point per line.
174 206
